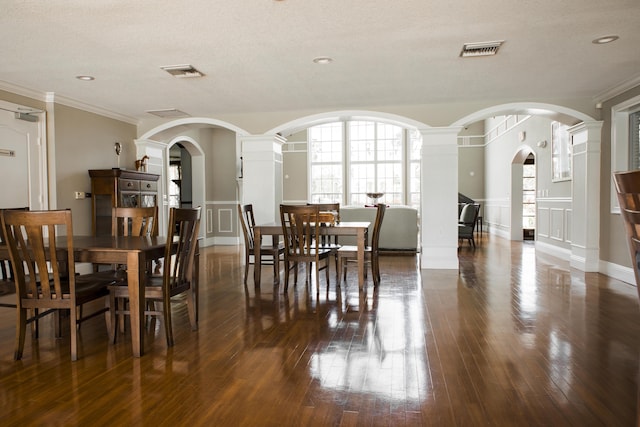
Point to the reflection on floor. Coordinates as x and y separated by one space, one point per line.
512 338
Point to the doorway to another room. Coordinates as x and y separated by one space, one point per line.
180 177
529 198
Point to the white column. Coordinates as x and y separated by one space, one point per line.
439 198
262 175
585 209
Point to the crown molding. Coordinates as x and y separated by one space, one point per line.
51 97
70 102
617 90
22 91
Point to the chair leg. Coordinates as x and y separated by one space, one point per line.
191 310
166 313
21 330
246 268
73 322
286 275
110 316
276 269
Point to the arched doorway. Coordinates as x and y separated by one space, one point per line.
523 195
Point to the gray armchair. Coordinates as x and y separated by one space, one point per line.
467 222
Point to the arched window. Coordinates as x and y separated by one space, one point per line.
349 159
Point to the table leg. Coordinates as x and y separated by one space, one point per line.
257 258
361 241
136 263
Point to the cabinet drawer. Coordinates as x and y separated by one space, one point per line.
149 186
129 184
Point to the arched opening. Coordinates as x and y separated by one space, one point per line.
523 190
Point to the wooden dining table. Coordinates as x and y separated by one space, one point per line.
357 229
132 251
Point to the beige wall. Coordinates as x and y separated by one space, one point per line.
85 141
613 243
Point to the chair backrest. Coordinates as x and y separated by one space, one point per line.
469 214
300 229
134 221
247 221
377 225
183 228
6 271
40 246
628 191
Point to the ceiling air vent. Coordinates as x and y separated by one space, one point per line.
480 49
169 112
182 71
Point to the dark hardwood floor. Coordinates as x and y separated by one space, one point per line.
512 339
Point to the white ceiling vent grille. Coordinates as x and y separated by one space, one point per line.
182 71
480 49
169 112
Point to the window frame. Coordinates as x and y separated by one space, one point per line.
406 162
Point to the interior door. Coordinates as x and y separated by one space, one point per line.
22 163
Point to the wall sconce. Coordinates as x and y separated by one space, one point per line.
542 143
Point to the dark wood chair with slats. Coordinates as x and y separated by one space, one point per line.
301 232
349 254
628 191
40 246
133 221
268 253
178 275
6 271
330 242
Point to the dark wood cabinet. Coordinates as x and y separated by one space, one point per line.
119 187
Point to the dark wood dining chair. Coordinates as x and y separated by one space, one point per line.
349 254
301 231
40 246
330 242
6 270
127 221
177 277
628 191
270 254
133 221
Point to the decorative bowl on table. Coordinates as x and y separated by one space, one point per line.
374 197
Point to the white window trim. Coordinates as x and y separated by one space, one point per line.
620 142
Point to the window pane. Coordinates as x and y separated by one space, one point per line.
362 141
528 183
362 178
415 145
389 142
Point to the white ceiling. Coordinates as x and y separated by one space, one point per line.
257 54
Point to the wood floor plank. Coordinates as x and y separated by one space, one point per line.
513 338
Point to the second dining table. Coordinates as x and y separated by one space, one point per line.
357 229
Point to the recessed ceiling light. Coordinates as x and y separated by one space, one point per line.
605 39
85 78
322 60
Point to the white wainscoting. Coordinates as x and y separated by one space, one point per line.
497 216
554 219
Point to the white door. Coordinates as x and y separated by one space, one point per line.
23 168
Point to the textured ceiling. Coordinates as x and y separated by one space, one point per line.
257 54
